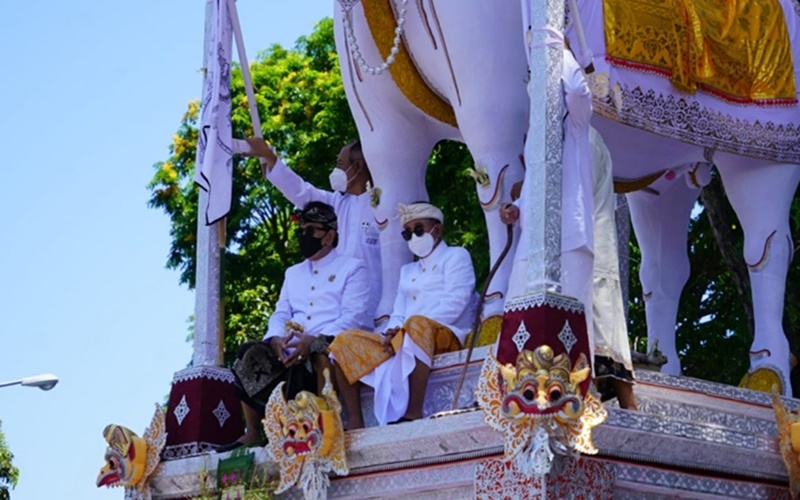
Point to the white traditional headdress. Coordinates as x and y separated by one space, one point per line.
418 211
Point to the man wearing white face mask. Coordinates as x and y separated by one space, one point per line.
358 232
432 314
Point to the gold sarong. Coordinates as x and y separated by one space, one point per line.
358 352
737 50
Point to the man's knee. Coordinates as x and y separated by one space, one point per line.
245 347
417 320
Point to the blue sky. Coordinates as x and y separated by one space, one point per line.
91 92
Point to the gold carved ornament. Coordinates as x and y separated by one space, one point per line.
306 439
788 442
132 460
538 406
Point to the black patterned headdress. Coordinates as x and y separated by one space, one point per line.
320 213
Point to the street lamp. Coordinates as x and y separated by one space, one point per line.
45 382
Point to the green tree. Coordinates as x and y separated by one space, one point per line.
306 117
8 473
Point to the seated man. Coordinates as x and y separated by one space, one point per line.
325 294
432 314
348 197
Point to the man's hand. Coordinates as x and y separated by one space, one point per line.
260 148
509 214
278 345
302 349
388 335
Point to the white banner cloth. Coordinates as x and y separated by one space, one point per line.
214 167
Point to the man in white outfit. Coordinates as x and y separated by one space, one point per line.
577 201
432 314
358 232
594 280
320 297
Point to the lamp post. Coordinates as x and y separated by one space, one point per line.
45 381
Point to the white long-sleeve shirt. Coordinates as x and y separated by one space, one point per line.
577 199
358 233
577 185
440 287
326 297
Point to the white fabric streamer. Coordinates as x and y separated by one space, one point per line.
214 170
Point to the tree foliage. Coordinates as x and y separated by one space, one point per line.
8 473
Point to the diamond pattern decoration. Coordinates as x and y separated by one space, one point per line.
567 337
347 5
221 413
521 337
181 410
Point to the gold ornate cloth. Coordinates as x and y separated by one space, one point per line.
358 352
737 50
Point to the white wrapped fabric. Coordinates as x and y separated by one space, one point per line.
610 327
415 211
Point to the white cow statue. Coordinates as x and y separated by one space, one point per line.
416 72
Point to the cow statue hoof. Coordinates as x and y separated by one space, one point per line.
765 378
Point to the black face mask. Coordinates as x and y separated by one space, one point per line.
309 245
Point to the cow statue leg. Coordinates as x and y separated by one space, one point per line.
761 194
661 225
491 108
402 156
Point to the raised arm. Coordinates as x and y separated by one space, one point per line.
578 97
293 187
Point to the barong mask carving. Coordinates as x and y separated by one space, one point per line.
307 427
788 442
131 460
543 384
539 407
306 439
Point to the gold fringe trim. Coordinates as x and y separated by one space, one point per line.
622 187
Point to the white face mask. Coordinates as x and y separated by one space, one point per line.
338 179
421 246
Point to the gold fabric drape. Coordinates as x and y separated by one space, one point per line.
382 23
738 50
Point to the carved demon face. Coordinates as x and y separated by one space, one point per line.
308 426
543 385
126 457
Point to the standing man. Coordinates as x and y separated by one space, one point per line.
348 197
432 314
577 198
321 296
589 265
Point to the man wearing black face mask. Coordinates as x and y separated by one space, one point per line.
348 196
321 296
